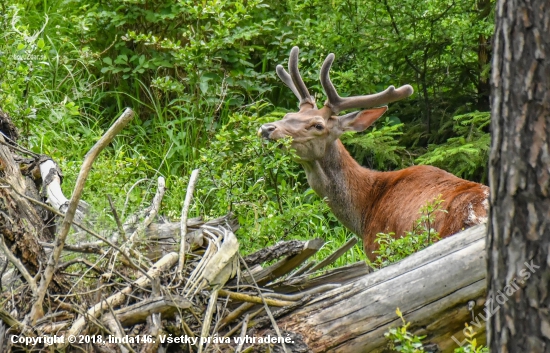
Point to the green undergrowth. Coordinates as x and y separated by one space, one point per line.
400 339
201 79
392 249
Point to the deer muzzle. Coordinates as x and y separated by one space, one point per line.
266 130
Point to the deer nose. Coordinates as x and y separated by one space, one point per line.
266 130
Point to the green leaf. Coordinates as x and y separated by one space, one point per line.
203 85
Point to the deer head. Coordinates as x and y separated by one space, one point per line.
313 129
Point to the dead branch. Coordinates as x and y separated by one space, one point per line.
166 262
184 211
12 322
286 248
286 265
19 265
37 309
117 220
253 299
89 246
138 313
266 307
151 212
334 256
51 180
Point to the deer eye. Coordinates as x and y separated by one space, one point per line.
319 126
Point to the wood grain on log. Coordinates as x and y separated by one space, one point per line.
287 264
284 248
138 312
432 288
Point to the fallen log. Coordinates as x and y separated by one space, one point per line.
433 289
286 265
286 248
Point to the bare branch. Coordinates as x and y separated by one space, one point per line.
122 121
253 299
11 321
244 326
87 247
151 211
117 220
52 182
205 330
19 265
116 299
184 213
273 322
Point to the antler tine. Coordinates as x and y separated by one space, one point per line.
332 96
337 103
297 79
391 94
285 77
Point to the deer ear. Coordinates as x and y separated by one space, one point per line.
359 121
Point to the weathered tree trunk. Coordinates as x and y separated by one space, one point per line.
20 224
518 245
23 225
433 288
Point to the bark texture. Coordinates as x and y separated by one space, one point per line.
438 290
518 240
20 224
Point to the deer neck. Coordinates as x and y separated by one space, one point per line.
343 183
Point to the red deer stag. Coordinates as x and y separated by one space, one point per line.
366 201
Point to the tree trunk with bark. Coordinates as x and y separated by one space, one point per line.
518 242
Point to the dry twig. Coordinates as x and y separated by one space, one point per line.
37 310
116 299
184 212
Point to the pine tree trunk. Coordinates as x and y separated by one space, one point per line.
518 243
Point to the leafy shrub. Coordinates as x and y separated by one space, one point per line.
401 340
471 345
379 147
467 154
422 235
185 66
